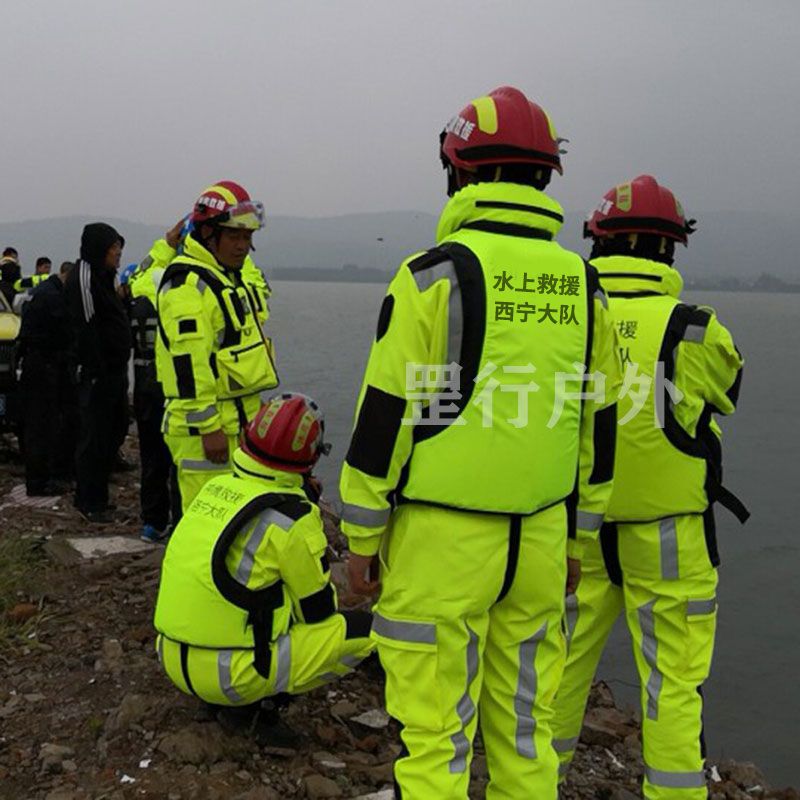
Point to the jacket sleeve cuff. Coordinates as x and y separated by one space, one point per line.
575 548
361 544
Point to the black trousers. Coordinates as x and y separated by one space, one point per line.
100 400
154 455
50 412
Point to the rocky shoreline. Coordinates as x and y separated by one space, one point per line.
85 711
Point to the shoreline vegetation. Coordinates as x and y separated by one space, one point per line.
352 273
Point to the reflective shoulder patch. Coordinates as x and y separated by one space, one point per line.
431 267
697 325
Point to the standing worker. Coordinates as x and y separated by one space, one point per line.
458 472
46 344
103 351
656 556
140 291
24 286
212 356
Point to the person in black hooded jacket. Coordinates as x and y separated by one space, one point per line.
103 351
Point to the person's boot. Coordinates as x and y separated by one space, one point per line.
260 721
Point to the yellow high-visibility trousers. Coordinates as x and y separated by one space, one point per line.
469 623
193 467
668 595
307 656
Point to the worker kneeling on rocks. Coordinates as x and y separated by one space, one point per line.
246 608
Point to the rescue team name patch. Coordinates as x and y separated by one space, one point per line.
546 283
558 315
627 328
206 509
225 494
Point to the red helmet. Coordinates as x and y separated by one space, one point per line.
287 433
503 127
227 203
640 206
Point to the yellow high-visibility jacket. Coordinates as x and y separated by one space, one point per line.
211 352
511 321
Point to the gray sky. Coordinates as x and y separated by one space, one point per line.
322 107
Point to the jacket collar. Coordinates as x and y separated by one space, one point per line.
627 274
194 250
509 204
245 466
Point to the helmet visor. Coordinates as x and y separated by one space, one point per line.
249 215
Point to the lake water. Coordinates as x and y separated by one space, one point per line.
323 333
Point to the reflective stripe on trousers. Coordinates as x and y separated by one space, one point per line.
465 708
668 538
404 631
525 698
675 780
650 653
284 663
224 673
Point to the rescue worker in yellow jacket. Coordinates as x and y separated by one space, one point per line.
656 556
474 457
212 356
246 608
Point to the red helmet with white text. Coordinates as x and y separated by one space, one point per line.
227 204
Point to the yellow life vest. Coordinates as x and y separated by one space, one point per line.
201 601
661 468
518 314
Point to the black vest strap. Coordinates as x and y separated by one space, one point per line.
609 544
514 534
705 443
178 270
260 604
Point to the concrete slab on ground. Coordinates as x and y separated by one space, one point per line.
17 497
99 546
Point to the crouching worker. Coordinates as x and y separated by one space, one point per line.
246 609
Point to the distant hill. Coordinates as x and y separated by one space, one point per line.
734 245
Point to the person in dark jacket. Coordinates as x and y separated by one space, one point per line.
103 352
10 273
48 391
